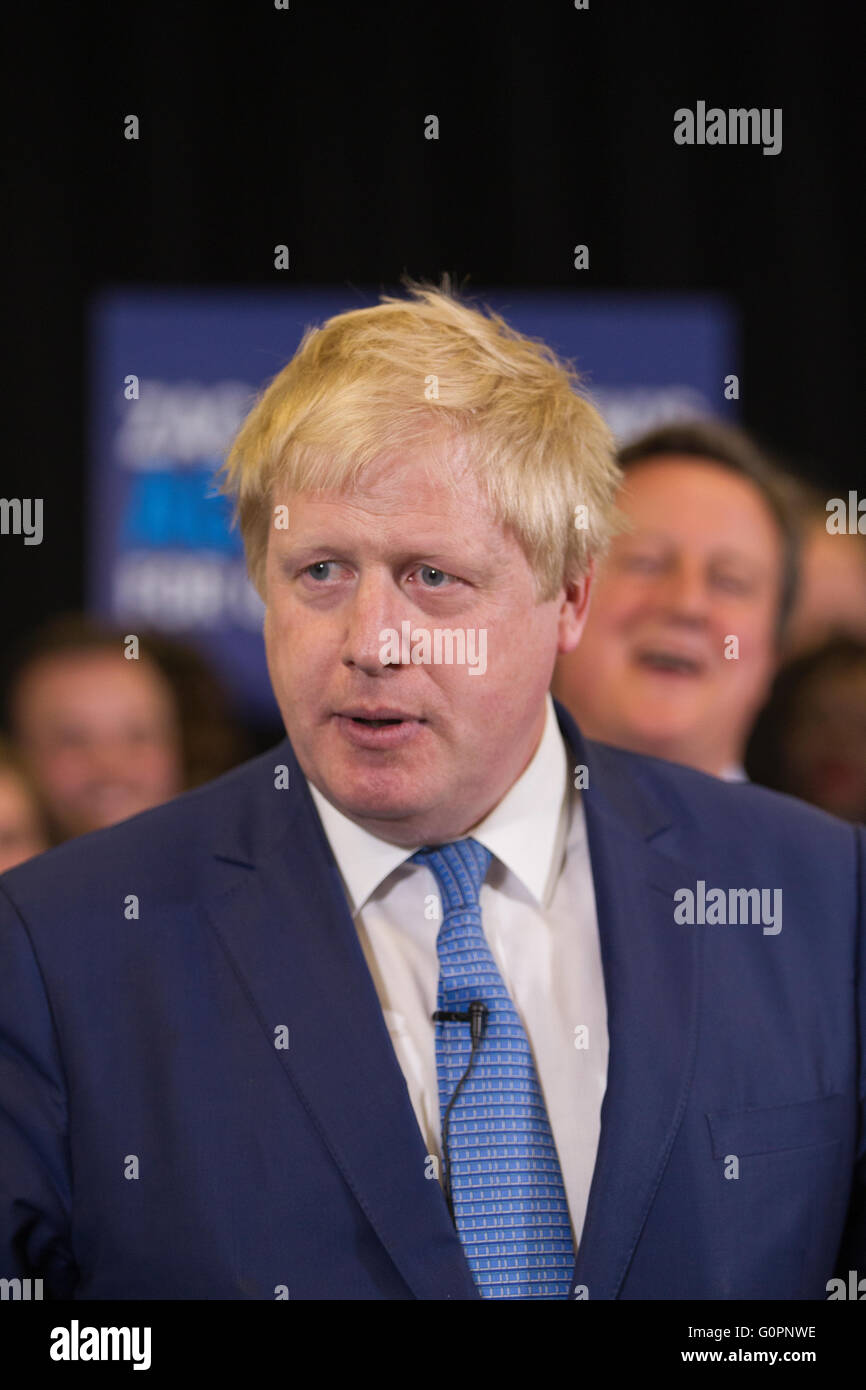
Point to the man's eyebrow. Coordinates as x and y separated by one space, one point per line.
733 553
639 536
727 554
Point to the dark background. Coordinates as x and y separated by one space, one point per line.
305 126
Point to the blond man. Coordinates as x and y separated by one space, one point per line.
437 999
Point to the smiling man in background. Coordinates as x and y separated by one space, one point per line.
408 1007
691 604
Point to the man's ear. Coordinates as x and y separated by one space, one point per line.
575 610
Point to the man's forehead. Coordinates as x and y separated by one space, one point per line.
670 482
393 535
360 503
403 496
440 468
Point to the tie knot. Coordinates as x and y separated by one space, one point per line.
459 868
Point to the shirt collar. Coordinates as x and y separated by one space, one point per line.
735 773
526 830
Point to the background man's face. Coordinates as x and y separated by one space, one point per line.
703 561
100 736
405 547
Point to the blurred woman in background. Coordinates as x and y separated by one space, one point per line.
104 736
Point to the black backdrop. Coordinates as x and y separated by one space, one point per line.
305 126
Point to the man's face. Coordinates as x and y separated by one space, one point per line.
403 547
100 735
703 563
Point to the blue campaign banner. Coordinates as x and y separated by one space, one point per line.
161 551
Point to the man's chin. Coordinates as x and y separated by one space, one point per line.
379 806
384 793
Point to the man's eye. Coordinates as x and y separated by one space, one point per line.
734 584
433 578
644 564
317 570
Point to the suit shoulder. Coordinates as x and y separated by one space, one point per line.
696 798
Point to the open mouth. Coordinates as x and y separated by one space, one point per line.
388 729
669 663
374 723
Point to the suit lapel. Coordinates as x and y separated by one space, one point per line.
651 983
279 908
280 911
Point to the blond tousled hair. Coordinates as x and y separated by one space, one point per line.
357 388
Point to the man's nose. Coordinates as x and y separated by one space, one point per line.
684 592
376 609
112 754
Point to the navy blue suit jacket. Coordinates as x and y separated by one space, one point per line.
155 1142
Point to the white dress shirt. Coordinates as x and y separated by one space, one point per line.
735 773
539 917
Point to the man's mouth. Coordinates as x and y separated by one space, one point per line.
377 718
669 662
381 729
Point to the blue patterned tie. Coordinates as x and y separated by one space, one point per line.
506 1183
